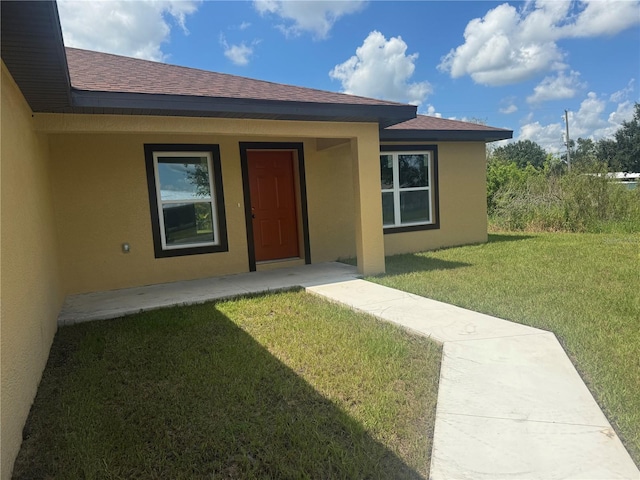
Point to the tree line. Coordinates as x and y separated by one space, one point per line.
619 154
530 189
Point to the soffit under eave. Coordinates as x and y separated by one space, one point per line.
33 51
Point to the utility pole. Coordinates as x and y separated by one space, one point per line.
566 121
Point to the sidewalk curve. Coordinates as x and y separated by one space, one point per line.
511 405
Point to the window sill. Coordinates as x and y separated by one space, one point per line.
181 252
411 228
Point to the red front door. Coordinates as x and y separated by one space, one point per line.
273 204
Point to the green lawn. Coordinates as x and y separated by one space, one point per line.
276 386
583 287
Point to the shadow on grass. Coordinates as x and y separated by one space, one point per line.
186 395
410 262
505 237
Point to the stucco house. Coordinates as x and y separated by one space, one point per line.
118 172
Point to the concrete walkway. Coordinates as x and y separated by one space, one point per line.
510 403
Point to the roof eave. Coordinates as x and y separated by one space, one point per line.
38 63
33 51
86 101
398 135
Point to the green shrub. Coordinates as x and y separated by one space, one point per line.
500 174
574 202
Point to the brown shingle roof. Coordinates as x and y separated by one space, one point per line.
424 122
58 80
103 72
426 128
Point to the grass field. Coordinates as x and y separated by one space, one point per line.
583 287
275 386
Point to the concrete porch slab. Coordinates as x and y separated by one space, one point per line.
117 303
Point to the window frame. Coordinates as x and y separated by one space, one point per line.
433 187
212 152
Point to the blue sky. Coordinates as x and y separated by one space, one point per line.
516 65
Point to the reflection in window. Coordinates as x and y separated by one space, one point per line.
414 206
388 215
413 170
386 171
186 197
184 178
406 188
187 223
187 208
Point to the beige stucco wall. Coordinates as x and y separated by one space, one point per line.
463 202
101 198
101 201
30 292
331 204
368 221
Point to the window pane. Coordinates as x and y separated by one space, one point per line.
184 178
414 206
413 170
186 223
388 215
386 171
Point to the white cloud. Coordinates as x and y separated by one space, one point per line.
557 87
244 25
381 68
497 144
548 137
623 113
503 48
508 105
316 17
131 28
511 108
623 94
508 45
590 121
238 54
431 111
604 17
477 120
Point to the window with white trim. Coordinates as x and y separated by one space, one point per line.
407 185
185 192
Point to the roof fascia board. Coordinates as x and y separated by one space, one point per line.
84 100
444 135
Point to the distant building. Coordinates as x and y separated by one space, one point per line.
630 180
